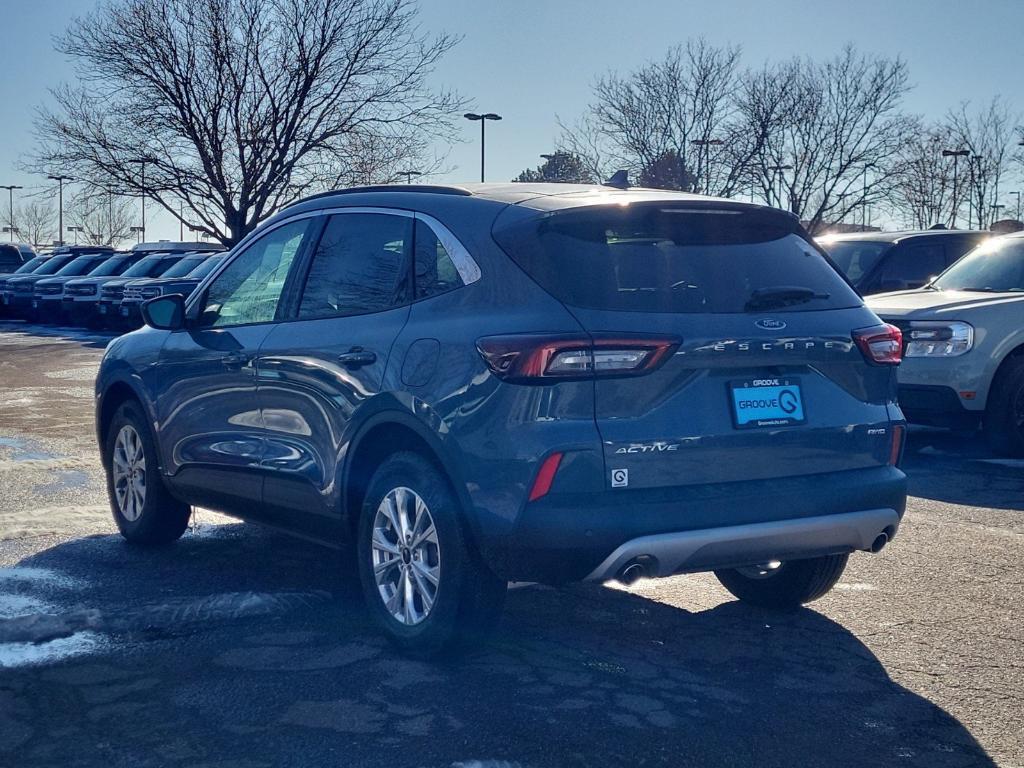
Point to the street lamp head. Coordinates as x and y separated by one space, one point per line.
955 152
491 116
484 116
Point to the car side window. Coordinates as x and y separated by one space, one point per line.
249 289
361 265
435 271
910 266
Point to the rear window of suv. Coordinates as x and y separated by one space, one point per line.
660 258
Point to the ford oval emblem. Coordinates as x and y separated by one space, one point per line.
770 324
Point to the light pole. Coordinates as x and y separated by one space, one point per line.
956 154
143 161
864 219
139 231
779 171
10 193
76 230
483 121
60 209
996 208
1018 204
409 175
703 144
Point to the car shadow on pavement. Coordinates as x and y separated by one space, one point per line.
960 469
240 644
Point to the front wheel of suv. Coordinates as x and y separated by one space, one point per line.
784 585
1004 417
143 509
423 580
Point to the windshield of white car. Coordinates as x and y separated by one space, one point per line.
995 266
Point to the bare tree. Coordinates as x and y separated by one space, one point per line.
988 134
922 179
238 107
36 222
102 218
838 130
680 107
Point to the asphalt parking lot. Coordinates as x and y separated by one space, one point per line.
242 647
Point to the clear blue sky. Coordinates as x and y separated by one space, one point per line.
532 59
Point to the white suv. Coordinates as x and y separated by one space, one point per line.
963 361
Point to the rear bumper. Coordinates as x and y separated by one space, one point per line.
935 406
566 537
738 545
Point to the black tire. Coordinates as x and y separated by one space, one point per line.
163 518
469 597
1003 424
792 584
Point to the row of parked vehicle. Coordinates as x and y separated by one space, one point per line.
962 320
96 286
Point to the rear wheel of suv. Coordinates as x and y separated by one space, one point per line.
143 509
424 582
784 585
1004 417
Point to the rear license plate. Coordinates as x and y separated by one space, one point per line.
767 402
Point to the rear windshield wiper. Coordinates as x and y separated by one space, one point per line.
781 296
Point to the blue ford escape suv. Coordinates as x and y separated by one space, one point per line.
466 386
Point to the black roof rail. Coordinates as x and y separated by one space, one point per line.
436 189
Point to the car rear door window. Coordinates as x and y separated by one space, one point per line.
911 266
361 265
249 289
435 271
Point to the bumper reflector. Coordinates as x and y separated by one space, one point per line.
545 476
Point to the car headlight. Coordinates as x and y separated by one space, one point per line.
925 338
150 293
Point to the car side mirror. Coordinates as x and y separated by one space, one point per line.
166 313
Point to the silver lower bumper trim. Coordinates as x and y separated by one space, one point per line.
737 545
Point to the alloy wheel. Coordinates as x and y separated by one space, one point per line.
129 469
406 556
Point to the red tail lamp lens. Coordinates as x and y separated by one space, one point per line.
538 358
880 344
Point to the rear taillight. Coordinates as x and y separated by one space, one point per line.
881 344
536 358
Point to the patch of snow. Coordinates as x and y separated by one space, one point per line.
37 577
21 605
1012 463
27 654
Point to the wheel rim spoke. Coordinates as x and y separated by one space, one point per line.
405 556
128 468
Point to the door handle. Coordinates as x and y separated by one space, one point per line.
235 359
356 357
